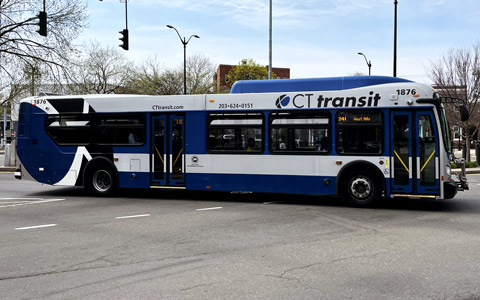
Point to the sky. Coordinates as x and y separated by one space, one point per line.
314 38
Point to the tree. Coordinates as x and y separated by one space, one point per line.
18 31
199 75
99 70
152 78
457 75
247 69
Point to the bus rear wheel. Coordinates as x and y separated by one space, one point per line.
361 188
100 180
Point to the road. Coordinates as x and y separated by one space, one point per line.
58 243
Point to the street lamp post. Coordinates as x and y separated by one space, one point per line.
184 42
369 63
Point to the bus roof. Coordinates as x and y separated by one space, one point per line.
310 84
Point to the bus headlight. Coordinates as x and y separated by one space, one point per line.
449 170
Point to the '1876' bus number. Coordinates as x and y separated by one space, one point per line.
406 92
39 101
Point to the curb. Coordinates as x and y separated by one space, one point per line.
467 171
7 169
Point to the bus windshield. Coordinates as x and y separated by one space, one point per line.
445 130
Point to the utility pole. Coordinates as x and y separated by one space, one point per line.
270 44
395 41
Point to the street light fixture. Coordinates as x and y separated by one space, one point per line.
184 42
369 63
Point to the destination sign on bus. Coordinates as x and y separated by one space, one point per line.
357 117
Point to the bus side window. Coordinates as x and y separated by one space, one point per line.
359 131
235 132
120 130
300 132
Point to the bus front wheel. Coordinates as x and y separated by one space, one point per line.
361 188
100 180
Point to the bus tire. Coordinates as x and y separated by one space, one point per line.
361 188
100 180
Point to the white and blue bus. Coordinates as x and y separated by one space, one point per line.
362 137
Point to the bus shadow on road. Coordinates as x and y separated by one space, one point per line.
405 204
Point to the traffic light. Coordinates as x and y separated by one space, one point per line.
42 24
124 39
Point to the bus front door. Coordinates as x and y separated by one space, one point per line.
167 151
414 157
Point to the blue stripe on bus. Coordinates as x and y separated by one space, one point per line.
310 84
314 185
141 180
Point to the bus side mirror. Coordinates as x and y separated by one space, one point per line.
464 115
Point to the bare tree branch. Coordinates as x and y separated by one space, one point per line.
457 75
20 41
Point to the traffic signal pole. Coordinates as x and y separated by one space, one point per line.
42 21
124 32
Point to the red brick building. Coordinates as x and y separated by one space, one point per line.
219 78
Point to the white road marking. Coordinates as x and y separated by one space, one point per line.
27 199
12 202
35 227
134 216
209 208
274 202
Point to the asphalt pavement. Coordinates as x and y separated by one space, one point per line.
59 243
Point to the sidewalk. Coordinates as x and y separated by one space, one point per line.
4 169
467 170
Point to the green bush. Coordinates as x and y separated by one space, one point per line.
470 164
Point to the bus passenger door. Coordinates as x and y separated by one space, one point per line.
159 151
414 154
428 181
177 154
402 154
167 153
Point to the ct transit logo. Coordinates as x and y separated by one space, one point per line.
282 101
318 100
